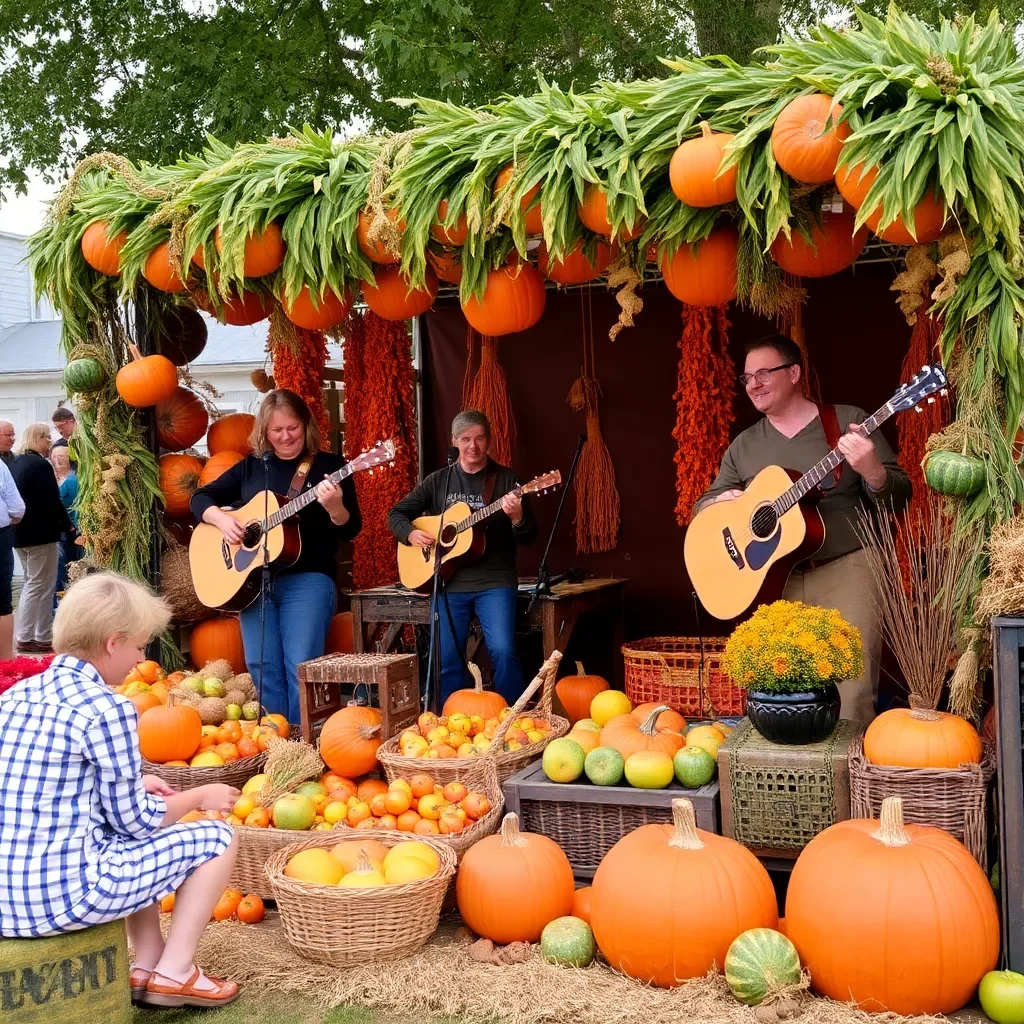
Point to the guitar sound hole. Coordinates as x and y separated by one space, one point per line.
253 533
764 522
449 535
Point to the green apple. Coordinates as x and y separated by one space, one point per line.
1001 994
232 712
213 687
563 760
193 683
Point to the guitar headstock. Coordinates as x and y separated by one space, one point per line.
380 455
541 484
925 382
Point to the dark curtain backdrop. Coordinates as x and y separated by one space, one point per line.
856 338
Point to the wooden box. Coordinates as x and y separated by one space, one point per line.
587 821
777 798
387 681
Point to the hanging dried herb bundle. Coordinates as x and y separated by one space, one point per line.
488 392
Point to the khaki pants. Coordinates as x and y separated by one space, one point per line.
847 585
33 618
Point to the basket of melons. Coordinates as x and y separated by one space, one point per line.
346 899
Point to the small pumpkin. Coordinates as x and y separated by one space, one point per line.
533 220
160 271
629 736
231 433
319 313
921 738
83 375
339 635
179 478
349 740
447 264
833 246
263 251
801 145
454 234
102 252
704 274
392 298
510 885
574 267
181 420
146 380
216 639
593 213
694 170
377 252
241 310
513 301
854 183
581 903
576 692
217 465
668 719
169 733
953 474
475 701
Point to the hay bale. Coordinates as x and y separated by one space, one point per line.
177 588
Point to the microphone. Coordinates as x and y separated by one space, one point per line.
267 456
453 455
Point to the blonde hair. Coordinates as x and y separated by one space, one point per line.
34 433
102 605
282 398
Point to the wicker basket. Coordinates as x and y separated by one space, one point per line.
255 847
346 927
954 799
683 672
234 773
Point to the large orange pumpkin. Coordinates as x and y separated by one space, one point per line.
593 213
666 720
576 692
456 234
339 635
146 380
513 301
628 736
475 701
391 297
169 733
921 738
694 170
181 420
102 252
179 478
510 885
249 308
533 220
216 638
447 265
160 271
800 144
705 274
581 903
231 433
854 183
833 246
217 465
574 267
373 250
264 251
895 917
329 311
658 876
349 740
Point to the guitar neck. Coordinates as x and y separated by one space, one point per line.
304 499
488 510
827 465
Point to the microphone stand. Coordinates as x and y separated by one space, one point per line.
544 579
264 577
434 654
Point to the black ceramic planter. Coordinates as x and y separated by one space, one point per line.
794 718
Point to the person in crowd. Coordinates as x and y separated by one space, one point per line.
64 423
67 483
7 439
86 837
12 509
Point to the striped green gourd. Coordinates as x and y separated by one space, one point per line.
952 474
759 962
83 375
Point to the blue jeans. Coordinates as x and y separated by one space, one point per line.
496 610
299 611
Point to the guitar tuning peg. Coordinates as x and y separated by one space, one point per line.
924 369
944 392
931 400
918 408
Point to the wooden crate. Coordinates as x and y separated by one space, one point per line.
587 821
387 681
777 798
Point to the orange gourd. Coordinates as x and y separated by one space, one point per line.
263 253
329 311
179 478
801 145
660 875
145 701
628 736
668 719
593 213
249 308
533 220
169 733
895 917
833 246
446 264
349 740
921 738
476 700
574 267
854 183
373 250
216 638
216 465
513 301
576 692
581 903
454 235
181 420
704 274
392 298
160 272
694 170
510 885
146 380
339 635
102 252
231 434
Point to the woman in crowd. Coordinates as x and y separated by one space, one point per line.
67 483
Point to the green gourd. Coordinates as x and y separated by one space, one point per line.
952 474
84 375
759 963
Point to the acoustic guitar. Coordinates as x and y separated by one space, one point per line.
228 575
456 541
740 552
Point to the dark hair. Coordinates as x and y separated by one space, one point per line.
62 414
787 348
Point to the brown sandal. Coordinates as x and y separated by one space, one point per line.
167 992
138 979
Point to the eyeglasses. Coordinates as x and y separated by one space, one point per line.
762 376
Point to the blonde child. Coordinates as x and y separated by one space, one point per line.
85 837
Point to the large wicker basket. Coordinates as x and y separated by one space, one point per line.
255 847
234 773
683 672
954 799
346 927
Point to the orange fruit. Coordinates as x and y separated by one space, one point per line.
260 818
367 823
397 801
167 904
278 722
388 821
407 821
430 807
421 785
378 805
250 910
476 805
208 742
369 788
426 827
359 813
402 785
247 748
454 792
227 905
228 751
149 671
230 732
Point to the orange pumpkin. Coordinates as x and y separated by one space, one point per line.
447 264
593 213
231 434
704 274
576 692
921 738
169 733
263 253
216 638
914 915
628 736
658 875
391 297
694 170
533 220
666 720
475 701
329 311
373 250
146 380
179 478
988 727
217 465
854 183
144 701
339 635
102 252
581 903
454 235
349 740
832 247
249 308
513 301
181 420
510 885
574 267
801 145
160 272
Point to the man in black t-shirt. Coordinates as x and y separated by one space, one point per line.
489 586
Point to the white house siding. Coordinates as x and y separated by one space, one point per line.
17 302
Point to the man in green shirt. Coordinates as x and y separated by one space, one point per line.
791 435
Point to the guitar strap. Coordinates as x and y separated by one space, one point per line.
489 480
299 479
830 424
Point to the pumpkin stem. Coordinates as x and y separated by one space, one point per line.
363 861
478 679
684 832
510 834
890 824
135 353
367 732
705 130
580 671
651 721
921 710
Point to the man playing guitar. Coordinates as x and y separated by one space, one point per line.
489 586
796 433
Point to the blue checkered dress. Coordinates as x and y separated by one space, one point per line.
80 838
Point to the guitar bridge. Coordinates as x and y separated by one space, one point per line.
730 547
225 553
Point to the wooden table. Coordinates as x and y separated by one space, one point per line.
555 615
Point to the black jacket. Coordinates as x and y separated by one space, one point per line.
45 516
